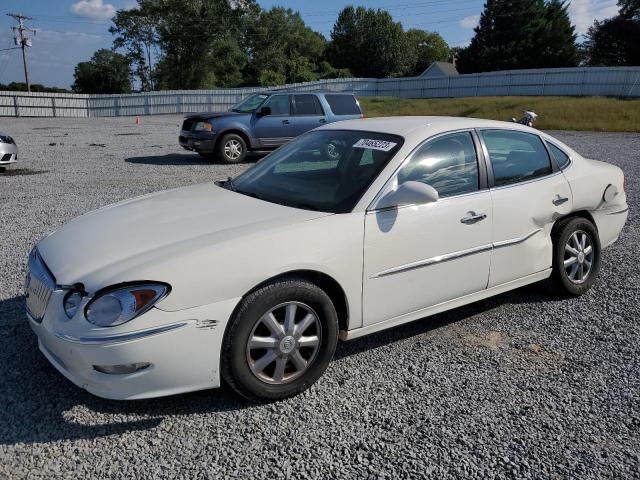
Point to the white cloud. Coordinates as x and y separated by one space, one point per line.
469 22
584 12
94 9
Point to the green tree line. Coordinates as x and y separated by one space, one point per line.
200 44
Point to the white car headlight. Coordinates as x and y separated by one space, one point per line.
121 304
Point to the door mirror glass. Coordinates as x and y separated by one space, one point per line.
264 111
409 193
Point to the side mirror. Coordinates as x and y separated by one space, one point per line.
409 193
264 111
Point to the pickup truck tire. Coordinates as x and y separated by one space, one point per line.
232 148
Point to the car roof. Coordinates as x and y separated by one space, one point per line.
409 126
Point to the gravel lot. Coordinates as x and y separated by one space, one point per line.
524 385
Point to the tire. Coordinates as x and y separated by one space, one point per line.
251 370
232 148
567 239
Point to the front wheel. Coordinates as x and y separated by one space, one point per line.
280 341
576 256
232 148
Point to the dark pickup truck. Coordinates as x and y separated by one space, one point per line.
263 122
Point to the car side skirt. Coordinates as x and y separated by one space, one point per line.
448 305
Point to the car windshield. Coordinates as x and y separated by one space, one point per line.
323 170
250 104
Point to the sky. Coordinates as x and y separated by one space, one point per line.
69 31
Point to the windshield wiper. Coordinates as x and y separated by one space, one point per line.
228 183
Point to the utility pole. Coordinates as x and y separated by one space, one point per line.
23 41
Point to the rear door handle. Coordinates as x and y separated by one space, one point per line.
322 120
560 200
473 217
285 122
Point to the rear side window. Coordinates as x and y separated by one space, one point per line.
308 105
516 156
562 159
446 163
343 104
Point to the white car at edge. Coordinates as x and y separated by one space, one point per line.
352 228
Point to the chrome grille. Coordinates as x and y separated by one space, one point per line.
39 285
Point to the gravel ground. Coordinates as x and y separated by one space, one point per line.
523 385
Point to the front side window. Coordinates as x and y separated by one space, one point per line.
516 156
250 104
308 105
562 159
324 170
447 163
279 104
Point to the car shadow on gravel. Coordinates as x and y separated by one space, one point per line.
39 405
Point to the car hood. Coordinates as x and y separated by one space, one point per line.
115 243
209 115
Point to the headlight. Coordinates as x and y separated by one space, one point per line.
119 305
6 139
203 127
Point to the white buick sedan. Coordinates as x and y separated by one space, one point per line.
350 229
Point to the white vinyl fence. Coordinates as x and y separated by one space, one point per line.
591 81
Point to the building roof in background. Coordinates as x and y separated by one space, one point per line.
440 69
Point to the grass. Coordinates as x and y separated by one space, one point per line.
601 114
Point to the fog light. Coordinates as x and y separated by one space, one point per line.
121 369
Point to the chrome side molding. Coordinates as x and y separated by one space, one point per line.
454 255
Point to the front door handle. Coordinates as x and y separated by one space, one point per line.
473 217
322 120
285 122
560 200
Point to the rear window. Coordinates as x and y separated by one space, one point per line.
562 159
308 105
343 104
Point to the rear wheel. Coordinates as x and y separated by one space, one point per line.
232 148
576 256
280 341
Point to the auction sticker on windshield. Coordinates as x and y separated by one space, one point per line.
383 145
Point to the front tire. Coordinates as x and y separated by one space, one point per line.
576 256
232 148
280 340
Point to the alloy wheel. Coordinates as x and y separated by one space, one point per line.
578 256
233 149
283 343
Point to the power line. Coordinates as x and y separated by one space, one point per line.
23 41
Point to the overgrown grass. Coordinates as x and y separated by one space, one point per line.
601 114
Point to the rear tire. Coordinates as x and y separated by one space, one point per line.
232 148
280 340
576 256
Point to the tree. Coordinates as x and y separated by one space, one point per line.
614 41
424 48
369 43
515 34
106 72
630 8
136 33
191 34
282 46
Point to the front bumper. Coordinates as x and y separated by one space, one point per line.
198 141
8 153
182 347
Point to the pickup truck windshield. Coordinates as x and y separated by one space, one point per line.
250 104
324 170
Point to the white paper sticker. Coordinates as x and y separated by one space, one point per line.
383 145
